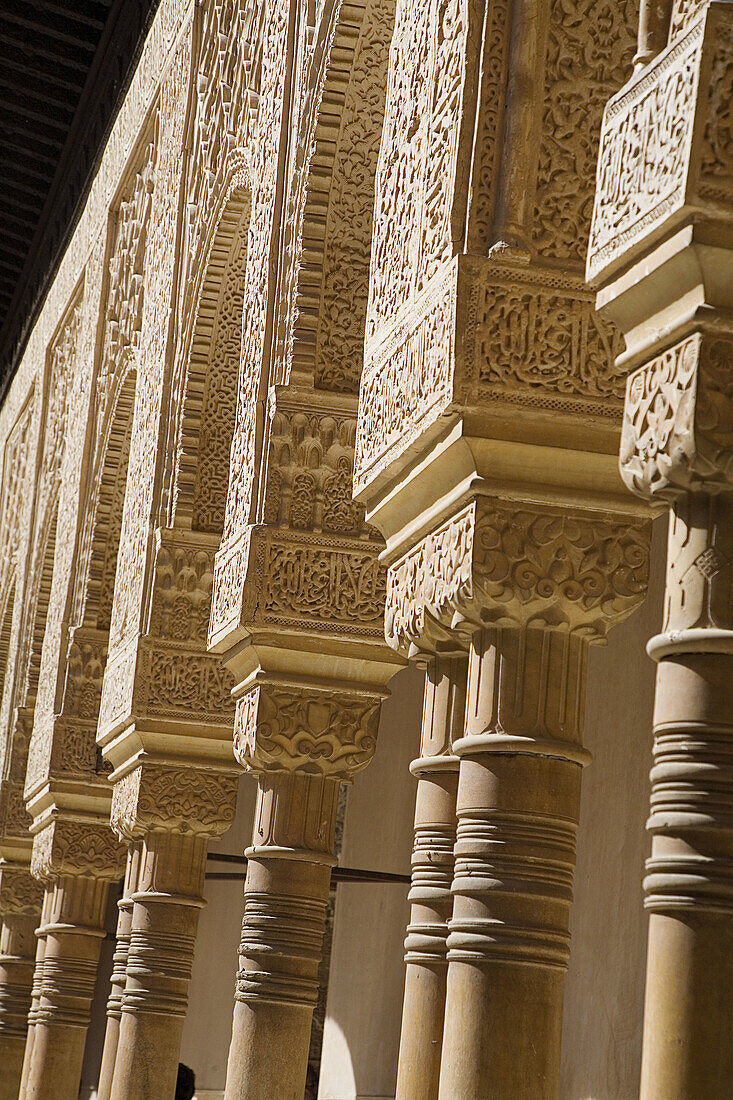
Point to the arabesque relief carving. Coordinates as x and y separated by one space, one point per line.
164 796
281 727
678 421
508 564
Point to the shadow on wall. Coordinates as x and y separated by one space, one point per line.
364 1007
604 992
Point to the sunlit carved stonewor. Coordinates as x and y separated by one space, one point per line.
319 390
660 257
489 410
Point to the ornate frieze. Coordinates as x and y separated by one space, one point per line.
589 52
660 153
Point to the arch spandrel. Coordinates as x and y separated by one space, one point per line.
181 692
340 88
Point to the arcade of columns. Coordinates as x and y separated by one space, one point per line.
320 367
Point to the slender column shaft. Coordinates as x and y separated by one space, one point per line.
654 16
17 949
163 926
35 990
286 894
119 974
423 1012
688 1018
516 188
74 934
518 806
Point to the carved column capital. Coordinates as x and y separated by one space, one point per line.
678 420
20 893
173 797
76 848
511 563
15 821
283 726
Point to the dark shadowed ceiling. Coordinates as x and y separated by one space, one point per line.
64 67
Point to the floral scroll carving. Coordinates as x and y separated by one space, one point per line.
589 54
678 422
67 847
20 893
508 564
283 728
167 797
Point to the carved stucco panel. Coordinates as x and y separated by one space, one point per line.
265 164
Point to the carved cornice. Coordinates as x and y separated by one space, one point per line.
678 421
283 727
180 798
514 564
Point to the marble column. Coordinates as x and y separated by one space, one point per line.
170 812
119 973
35 990
17 949
518 807
688 1016
74 931
20 904
286 893
664 280
303 741
436 769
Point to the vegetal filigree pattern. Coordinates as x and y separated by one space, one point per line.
511 565
174 798
20 893
678 422
284 728
590 47
66 847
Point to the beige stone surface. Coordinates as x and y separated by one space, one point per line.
319 388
